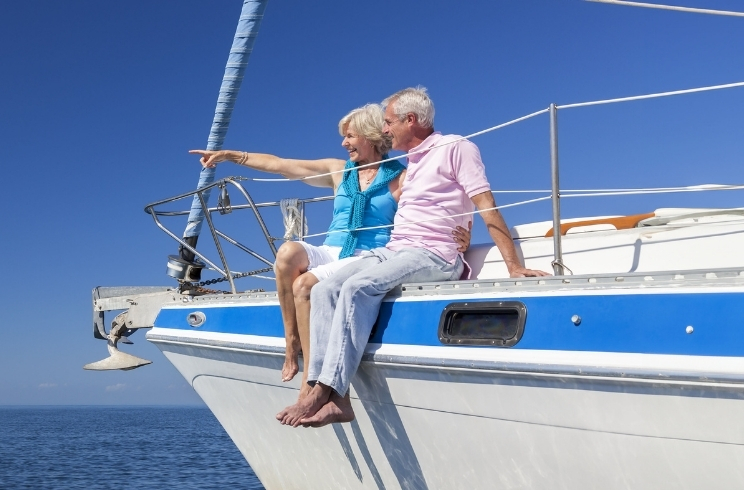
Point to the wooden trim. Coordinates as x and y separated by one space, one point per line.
620 223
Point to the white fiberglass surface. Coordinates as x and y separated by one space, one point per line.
457 429
646 249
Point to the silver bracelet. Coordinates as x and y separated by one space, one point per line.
243 159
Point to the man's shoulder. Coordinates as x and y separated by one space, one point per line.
456 140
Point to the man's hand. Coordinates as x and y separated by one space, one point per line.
523 272
462 237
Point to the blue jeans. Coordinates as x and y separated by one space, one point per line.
344 307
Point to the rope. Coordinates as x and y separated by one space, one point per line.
251 16
294 224
670 7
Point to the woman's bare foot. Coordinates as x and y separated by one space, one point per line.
337 410
291 367
307 407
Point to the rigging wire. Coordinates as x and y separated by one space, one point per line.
652 96
671 7
644 189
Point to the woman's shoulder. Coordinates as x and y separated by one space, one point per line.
396 185
338 177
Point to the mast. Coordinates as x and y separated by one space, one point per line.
245 35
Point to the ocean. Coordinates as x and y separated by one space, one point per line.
62 447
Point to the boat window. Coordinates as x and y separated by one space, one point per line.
494 323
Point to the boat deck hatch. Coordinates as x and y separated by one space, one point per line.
494 323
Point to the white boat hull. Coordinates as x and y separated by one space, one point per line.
429 427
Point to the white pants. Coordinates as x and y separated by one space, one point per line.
324 261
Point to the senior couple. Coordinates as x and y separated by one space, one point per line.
347 277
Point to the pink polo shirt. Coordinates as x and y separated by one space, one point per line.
439 183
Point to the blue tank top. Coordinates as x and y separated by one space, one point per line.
380 210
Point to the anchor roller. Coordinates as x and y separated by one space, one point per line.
141 305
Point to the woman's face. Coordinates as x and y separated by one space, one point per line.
360 150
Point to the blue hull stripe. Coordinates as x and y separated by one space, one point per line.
644 323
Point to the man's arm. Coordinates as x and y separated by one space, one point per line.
501 237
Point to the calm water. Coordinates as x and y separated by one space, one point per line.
118 447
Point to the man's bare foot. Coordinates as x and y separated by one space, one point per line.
307 407
337 410
291 368
304 390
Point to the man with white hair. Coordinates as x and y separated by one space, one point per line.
445 179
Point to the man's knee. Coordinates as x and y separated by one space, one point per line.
320 291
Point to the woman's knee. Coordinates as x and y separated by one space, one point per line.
303 285
291 256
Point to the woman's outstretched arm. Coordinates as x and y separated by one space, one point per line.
289 168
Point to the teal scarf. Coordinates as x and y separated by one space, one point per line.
388 171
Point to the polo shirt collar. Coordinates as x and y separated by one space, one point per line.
430 141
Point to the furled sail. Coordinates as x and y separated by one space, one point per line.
245 36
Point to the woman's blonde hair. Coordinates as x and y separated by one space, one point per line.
368 121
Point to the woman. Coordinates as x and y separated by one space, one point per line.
363 198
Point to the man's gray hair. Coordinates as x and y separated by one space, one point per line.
368 121
413 101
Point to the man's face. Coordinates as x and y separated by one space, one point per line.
399 130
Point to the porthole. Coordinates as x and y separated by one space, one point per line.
491 323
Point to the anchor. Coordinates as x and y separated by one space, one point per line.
141 305
118 359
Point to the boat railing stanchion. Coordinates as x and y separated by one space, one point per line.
260 219
301 205
555 192
208 218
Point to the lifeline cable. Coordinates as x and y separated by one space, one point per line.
598 193
671 7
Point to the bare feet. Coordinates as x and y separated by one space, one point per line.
307 407
291 368
304 390
337 410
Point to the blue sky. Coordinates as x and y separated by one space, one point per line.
100 101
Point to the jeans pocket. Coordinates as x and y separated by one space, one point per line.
458 267
438 261
451 271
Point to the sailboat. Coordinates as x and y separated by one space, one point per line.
623 370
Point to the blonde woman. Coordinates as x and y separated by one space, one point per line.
363 198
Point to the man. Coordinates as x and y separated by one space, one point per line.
443 180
